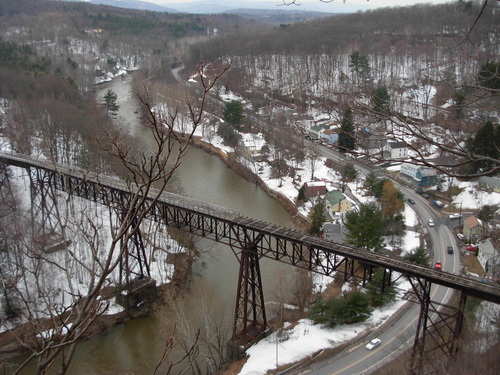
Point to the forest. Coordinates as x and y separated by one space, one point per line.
425 74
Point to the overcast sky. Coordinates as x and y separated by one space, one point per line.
371 2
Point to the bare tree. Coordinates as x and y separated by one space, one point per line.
70 313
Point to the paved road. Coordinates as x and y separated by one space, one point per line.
399 336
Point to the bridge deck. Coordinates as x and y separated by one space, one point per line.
265 233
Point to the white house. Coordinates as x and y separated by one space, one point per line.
396 150
488 256
251 145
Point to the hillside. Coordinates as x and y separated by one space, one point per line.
413 74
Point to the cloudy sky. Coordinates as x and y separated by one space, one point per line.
305 2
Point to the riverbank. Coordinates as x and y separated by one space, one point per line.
20 340
230 160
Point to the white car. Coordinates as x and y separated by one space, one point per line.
455 216
430 222
373 344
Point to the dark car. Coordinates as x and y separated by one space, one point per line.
411 201
450 249
424 195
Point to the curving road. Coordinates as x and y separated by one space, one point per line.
399 336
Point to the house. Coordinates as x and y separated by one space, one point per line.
250 145
395 150
314 189
473 227
418 176
371 142
330 136
489 257
331 231
336 201
317 130
426 178
490 184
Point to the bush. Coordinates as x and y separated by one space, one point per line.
353 308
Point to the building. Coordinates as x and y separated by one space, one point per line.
329 136
371 142
250 145
489 257
314 189
395 150
337 202
418 176
473 228
490 184
331 231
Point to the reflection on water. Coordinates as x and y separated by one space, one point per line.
136 347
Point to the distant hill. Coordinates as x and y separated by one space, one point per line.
235 6
132 4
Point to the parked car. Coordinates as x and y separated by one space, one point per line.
438 266
438 204
471 248
461 237
411 201
455 216
449 249
424 195
430 222
373 344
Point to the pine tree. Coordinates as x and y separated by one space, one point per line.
317 219
365 227
347 137
486 143
358 63
489 75
110 99
233 113
380 99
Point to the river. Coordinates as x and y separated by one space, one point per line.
135 347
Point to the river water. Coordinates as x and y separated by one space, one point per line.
135 347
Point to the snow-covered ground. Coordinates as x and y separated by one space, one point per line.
306 338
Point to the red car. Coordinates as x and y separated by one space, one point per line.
438 266
471 248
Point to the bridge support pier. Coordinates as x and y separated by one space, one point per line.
43 204
8 205
133 262
249 315
438 327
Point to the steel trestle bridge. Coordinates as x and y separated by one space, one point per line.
252 239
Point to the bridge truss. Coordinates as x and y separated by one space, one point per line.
257 239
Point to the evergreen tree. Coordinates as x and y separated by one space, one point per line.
359 64
233 113
110 99
302 196
365 228
317 219
353 308
374 288
459 100
486 143
489 75
347 137
228 134
380 99
417 256
486 214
